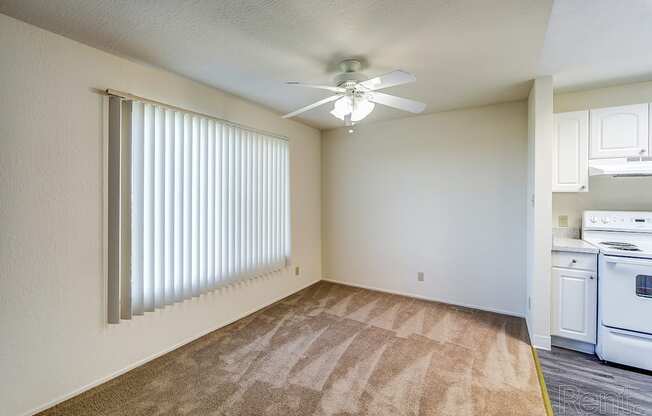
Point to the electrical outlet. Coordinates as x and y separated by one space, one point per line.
563 221
420 276
297 271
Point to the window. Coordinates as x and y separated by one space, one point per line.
195 203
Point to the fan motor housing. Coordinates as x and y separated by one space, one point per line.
352 77
350 73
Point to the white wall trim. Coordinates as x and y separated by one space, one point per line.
541 342
529 328
416 296
539 211
130 367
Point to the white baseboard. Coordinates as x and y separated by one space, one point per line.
154 356
416 296
541 342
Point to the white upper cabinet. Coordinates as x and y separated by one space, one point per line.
570 150
619 131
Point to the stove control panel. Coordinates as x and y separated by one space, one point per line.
637 221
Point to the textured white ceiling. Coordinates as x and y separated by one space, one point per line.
594 43
463 52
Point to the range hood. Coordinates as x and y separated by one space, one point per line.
639 166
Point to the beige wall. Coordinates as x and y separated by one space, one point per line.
53 336
640 92
607 193
443 194
604 192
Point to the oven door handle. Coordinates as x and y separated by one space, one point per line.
625 260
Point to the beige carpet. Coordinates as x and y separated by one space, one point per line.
336 350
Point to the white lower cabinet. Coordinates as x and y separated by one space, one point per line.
574 304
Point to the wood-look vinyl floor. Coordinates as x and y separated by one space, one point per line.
579 384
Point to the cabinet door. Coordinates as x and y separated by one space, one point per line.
619 131
570 150
574 304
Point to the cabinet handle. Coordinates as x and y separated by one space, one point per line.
642 151
583 187
591 277
573 261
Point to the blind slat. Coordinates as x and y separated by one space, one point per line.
178 207
203 200
194 244
138 201
125 210
210 201
169 216
113 281
159 206
148 209
187 206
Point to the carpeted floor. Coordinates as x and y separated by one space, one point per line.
336 350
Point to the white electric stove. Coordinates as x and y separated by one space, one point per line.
624 284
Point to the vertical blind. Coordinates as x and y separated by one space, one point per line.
195 203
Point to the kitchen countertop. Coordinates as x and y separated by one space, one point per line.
573 245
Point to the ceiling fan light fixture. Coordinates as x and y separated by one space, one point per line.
362 109
359 108
342 107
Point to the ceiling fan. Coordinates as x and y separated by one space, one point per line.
356 96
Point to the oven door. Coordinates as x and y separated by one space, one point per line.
626 293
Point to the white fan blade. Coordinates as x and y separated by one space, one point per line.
396 102
390 79
313 105
320 87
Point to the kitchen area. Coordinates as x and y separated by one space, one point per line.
601 275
